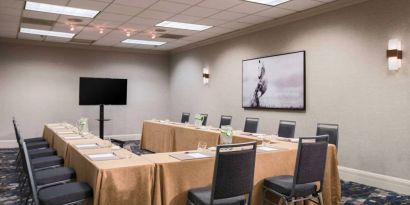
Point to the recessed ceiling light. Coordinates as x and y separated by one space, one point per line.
47 33
55 9
269 2
143 42
187 26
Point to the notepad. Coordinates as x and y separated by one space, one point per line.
268 149
192 155
197 155
102 156
86 146
65 132
72 137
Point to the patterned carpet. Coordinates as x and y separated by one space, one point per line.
352 193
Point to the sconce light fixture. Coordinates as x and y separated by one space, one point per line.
205 75
394 54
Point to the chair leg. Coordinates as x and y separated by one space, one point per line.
285 200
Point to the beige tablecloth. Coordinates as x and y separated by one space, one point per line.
161 137
122 181
173 178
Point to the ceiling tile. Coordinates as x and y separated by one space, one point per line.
212 22
190 2
112 17
40 15
299 5
181 32
105 23
218 30
35 26
91 33
9 19
185 18
121 9
112 38
10 11
228 15
218 4
169 7
86 4
155 14
66 28
144 21
134 27
11 4
57 39
29 36
253 19
235 25
8 34
275 12
136 3
249 8
200 11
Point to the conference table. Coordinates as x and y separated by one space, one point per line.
164 179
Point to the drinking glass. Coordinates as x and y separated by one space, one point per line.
201 146
266 140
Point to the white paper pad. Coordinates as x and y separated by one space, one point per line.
267 148
197 155
85 146
102 156
65 132
72 137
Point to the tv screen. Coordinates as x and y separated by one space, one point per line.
103 91
274 82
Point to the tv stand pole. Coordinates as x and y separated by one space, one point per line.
101 120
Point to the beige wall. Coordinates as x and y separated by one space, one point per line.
41 84
347 82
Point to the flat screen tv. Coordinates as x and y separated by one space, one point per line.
274 82
103 91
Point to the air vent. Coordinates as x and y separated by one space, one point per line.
171 36
37 21
82 41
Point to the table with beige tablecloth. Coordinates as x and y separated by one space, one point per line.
122 181
173 177
173 137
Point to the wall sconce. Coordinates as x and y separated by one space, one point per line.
394 54
205 76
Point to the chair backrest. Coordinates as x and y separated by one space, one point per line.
29 170
205 116
310 161
251 125
225 120
286 128
185 117
234 171
329 129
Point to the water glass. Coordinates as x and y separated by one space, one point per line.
266 140
201 146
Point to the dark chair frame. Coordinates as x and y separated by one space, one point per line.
185 114
230 148
291 197
254 119
228 117
288 122
205 119
329 125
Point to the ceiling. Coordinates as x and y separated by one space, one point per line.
139 17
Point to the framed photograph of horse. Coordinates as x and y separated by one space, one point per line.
275 82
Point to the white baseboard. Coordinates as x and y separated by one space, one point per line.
395 184
8 144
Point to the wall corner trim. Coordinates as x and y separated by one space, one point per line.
390 183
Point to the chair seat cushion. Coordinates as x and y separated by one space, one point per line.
34 139
49 161
36 153
49 176
65 193
202 196
37 145
283 185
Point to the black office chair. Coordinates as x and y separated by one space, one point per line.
286 129
309 169
225 120
205 119
61 194
251 125
233 177
332 130
185 117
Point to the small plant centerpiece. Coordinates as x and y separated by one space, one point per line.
83 125
226 134
199 118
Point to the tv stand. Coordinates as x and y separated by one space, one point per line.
102 120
